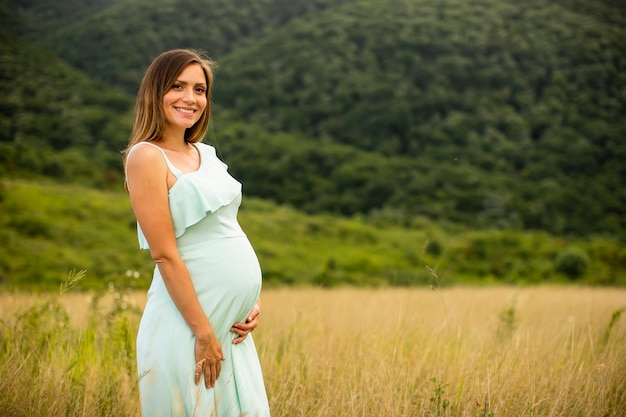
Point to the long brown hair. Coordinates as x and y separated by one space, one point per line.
149 122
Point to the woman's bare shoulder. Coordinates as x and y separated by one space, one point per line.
144 154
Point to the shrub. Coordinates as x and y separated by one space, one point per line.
433 247
572 262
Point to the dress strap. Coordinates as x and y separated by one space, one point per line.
177 172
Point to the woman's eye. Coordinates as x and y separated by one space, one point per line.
200 90
177 87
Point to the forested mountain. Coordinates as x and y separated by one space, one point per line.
513 112
116 43
485 112
55 121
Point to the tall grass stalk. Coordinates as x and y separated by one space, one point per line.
437 285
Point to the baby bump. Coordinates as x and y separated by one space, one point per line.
227 278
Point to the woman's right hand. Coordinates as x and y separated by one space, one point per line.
209 357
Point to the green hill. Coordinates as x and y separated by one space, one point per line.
51 229
489 113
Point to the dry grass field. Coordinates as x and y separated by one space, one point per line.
498 351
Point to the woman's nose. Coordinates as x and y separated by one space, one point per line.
189 96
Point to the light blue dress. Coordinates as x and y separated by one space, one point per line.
227 279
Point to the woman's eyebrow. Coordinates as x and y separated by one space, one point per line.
187 82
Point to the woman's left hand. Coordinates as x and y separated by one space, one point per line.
242 329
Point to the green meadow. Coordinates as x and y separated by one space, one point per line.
49 230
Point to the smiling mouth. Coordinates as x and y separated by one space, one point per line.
186 111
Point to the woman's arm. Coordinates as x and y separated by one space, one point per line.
147 179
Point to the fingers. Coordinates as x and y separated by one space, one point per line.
199 369
254 314
212 371
209 357
242 330
239 339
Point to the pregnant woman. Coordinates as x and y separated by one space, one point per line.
195 353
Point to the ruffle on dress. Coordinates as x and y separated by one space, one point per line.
199 193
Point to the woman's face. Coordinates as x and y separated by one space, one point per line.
185 101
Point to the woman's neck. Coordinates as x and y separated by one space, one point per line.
174 140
